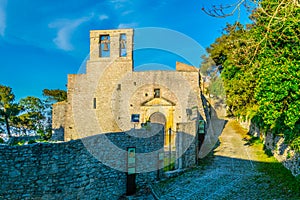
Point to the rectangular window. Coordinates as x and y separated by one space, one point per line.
156 93
95 103
119 87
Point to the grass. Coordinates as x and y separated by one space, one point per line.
274 173
168 167
278 175
281 183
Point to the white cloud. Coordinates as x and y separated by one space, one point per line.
2 17
127 12
128 25
65 29
103 17
119 4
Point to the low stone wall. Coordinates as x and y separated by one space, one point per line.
56 171
281 151
76 169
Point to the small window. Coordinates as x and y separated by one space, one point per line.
119 87
156 93
95 103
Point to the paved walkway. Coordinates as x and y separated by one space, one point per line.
227 173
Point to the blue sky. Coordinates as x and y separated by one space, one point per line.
42 41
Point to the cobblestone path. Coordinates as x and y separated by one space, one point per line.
230 172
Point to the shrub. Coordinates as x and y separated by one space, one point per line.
31 142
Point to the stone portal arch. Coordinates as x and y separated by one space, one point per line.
160 118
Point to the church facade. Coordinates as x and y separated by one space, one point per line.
111 97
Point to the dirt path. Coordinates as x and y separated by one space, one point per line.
230 172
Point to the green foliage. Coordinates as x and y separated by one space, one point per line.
45 134
262 67
1 141
29 115
207 65
18 143
31 141
253 140
296 144
33 113
278 91
208 68
169 165
8 109
216 87
55 95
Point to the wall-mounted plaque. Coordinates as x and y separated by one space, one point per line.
135 118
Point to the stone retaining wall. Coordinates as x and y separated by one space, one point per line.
281 151
72 170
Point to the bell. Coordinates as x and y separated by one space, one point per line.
105 47
105 43
123 42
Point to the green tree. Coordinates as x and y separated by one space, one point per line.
8 108
216 87
230 51
55 95
32 115
52 96
277 37
261 67
207 65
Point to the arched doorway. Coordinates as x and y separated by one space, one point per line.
159 118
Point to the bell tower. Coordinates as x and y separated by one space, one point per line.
111 44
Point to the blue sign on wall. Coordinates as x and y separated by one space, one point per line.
135 118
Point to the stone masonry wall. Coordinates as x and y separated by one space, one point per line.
281 151
58 119
186 144
72 170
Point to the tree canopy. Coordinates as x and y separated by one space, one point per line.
55 95
31 115
8 108
261 64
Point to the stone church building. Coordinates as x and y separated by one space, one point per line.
111 97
